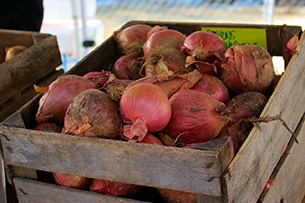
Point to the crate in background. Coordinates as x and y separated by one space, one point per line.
36 65
213 172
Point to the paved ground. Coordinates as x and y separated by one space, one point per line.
114 15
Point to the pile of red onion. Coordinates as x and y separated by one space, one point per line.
165 88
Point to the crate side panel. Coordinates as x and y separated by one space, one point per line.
31 65
39 192
290 174
14 103
144 164
262 150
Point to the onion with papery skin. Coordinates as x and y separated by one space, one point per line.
175 196
11 52
148 109
115 87
57 97
162 53
131 39
114 188
128 67
246 105
169 82
93 113
48 127
247 68
196 117
99 77
240 108
214 86
71 181
204 49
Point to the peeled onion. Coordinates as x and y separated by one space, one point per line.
147 108
196 117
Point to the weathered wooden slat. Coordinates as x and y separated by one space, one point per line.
198 171
38 192
259 155
2 179
289 175
28 67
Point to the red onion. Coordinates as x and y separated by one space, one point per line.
214 86
131 39
291 44
246 105
203 49
71 181
55 101
240 108
238 131
148 109
114 188
47 127
99 77
169 82
196 117
247 68
175 196
162 52
127 67
115 87
93 113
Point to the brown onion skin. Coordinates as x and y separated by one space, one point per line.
95 109
196 117
54 103
214 86
247 68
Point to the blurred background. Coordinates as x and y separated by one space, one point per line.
81 25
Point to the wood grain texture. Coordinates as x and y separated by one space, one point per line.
192 170
289 175
30 191
29 67
252 166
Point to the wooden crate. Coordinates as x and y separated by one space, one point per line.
212 172
36 65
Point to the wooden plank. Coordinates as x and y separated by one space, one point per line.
184 169
23 96
290 174
28 67
2 179
253 165
39 192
